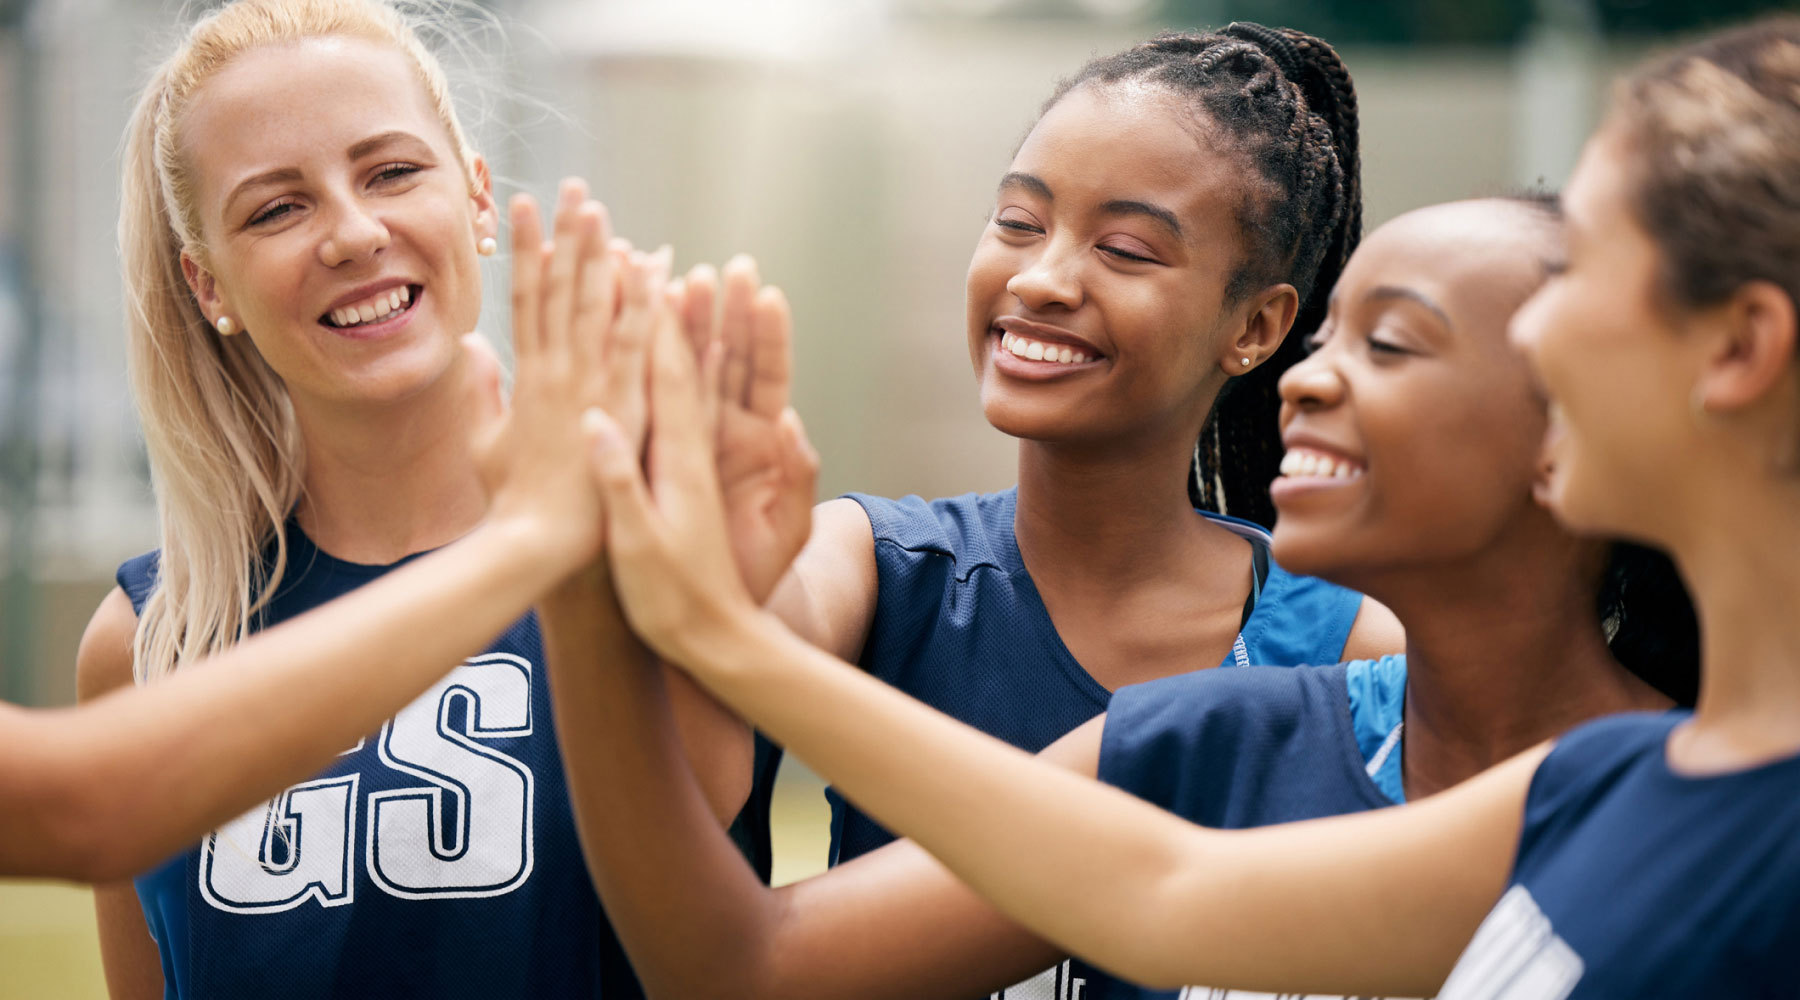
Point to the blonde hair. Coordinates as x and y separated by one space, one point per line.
225 450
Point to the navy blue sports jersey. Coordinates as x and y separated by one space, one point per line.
959 625
1635 881
1233 749
436 858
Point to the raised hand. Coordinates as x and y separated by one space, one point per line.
667 541
564 295
767 470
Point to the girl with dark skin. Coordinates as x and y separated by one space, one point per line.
1648 854
1179 209
1413 391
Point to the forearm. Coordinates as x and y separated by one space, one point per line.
1097 871
103 790
689 910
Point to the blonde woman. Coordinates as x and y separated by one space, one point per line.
301 228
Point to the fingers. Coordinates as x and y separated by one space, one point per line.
735 327
569 241
630 517
771 354
527 276
697 314
681 435
597 291
642 279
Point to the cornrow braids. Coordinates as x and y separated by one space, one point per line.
1285 100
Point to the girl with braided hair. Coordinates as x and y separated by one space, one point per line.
1647 854
1177 209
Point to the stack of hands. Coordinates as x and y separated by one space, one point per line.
649 434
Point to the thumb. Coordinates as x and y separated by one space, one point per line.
799 468
483 379
630 514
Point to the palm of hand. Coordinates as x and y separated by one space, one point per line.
767 512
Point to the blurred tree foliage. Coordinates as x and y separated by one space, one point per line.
1467 22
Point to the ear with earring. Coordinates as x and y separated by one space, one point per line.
487 246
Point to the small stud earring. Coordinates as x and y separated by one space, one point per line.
225 326
1245 361
487 246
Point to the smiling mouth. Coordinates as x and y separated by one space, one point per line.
377 308
1305 463
1042 350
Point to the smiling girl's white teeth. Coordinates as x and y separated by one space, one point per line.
380 307
1033 350
1309 463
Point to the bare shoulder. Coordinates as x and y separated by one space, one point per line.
1375 633
103 661
1078 749
828 597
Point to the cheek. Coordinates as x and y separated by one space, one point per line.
990 268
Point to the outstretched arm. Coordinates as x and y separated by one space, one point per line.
1379 903
103 790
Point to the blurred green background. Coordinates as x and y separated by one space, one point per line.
852 145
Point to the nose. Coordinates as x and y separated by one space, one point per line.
1050 279
354 233
1313 383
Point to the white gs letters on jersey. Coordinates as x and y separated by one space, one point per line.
465 830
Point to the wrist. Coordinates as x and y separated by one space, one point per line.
724 639
529 547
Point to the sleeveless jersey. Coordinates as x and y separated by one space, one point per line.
1232 749
959 625
1633 880
436 858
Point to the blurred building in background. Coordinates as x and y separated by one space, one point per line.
851 145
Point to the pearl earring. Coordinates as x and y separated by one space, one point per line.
487 246
225 326
1246 362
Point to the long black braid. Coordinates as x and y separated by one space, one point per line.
1287 102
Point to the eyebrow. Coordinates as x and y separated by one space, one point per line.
366 146
1388 292
288 175
284 175
1036 185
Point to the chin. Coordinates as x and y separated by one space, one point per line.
1308 550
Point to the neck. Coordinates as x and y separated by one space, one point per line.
384 481
1106 513
1503 652
1738 561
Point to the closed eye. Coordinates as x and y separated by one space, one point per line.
1017 226
1128 255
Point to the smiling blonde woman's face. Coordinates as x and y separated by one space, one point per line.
338 220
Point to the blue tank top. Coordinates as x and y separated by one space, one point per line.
1242 748
959 625
436 857
1635 881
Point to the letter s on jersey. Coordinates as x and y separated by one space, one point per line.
466 832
